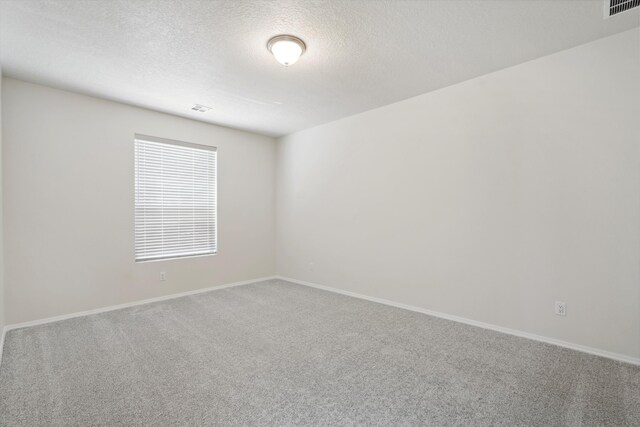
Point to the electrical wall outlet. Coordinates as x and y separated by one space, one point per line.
561 308
163 276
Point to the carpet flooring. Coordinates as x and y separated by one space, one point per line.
276 353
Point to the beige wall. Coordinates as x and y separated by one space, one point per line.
489 200
68 187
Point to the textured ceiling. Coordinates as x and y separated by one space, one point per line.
168 55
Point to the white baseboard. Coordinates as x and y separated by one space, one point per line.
522 334
572 346
128 304
3 332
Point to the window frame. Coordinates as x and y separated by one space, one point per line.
204 147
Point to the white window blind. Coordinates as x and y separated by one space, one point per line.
175 199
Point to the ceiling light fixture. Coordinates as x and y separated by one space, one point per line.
286 49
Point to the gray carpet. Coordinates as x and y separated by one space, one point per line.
276 353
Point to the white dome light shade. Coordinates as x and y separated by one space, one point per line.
286 49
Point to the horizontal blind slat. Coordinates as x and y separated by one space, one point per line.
175 200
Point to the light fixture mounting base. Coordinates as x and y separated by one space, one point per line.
286 37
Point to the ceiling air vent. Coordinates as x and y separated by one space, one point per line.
614 7
204 108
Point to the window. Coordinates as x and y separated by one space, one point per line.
175 199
